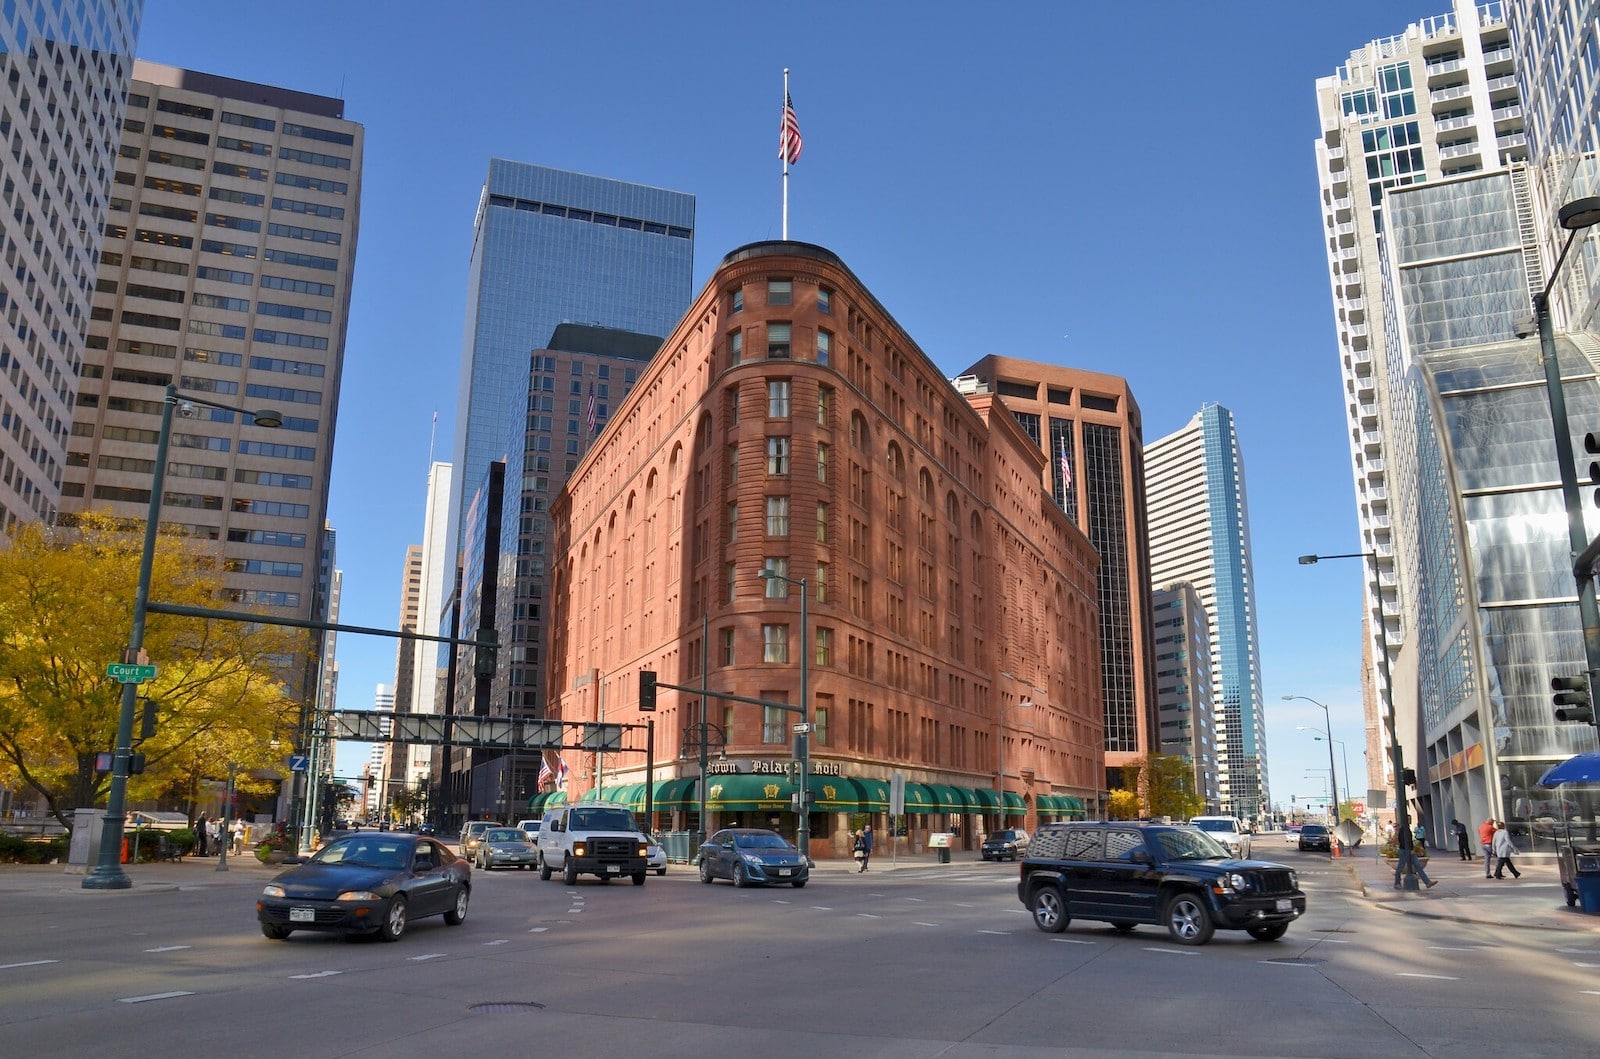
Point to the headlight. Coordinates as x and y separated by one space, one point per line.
580 848
752 860
1238 882
644 851
1294 879
359 895
273 890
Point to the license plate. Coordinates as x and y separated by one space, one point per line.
614 869
1285 906
302 915
783 871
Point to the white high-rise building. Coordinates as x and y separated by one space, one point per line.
1439 99
64 71
374 775
437 569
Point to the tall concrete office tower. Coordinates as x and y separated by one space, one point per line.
432 567
1439 99
391 768
1200 534
69 64
552 247
226 270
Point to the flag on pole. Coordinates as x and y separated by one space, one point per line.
1066 469
592 417
789 142
544 770
561 773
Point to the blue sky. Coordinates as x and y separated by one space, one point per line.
1128 188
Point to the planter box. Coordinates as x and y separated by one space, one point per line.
271 856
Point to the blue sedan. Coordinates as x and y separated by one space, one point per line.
752 856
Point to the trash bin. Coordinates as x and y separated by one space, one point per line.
1586 878
944 857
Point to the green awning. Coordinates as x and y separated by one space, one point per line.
536 803
833 794
556 800
921 799
874 795
951 799
743 792
1070 804
1048 803
985 799
673 794
1015 806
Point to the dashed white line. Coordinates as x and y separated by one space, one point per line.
921 924
1169 952
1075 941
538 930
1000 932
1589 992
152 996
1456 948
317 974
574 911
426 956
1437 977
822 908
862 915
1284 963
169 948
28 963
498 941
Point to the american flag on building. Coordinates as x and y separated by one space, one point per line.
593 415
789 142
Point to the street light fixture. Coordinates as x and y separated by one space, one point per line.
1402 818
803 729
108 873
1576 216
1344 754
1000 773
1328 726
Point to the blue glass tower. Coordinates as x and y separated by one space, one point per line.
552 247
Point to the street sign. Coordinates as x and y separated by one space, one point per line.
298 762
1359 808
130 673
802 729
897 794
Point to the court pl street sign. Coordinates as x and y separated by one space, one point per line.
130 673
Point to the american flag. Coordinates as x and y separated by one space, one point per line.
1066 469
789 142
592 416
544 770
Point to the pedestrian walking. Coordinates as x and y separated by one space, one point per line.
1486 840
1463 843
1504 849
1420 835
202 836
238 836
863 848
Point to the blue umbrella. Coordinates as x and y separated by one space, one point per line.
1582 768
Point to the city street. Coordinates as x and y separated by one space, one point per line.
918 960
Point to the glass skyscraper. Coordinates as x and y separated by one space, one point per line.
553 247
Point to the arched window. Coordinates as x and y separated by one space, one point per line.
896 463
858 431
925 485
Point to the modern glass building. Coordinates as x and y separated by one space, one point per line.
1183 685
552 247
1200 534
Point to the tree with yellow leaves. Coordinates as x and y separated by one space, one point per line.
65 612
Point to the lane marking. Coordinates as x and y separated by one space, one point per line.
1169 952
1456 948
152 996
29 963
1580 952
918 899
868 915
426 956
1286 963
1589 992
822 908
316 974
1438 977
780 901
921 924
169 948
1002 933
1074 941
501 941
574 911
538 930
1575 963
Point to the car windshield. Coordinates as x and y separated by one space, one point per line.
1214 825
363 852
1184 844
1313 829
760 841
601 820
506 834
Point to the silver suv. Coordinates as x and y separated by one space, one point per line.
592 838
1226 830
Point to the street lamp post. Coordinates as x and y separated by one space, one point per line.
1328 726
803 729
108 873
1402 818
1576 216
1000 740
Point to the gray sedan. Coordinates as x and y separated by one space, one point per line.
506 847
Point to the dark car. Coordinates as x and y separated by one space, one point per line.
1177 877
1316 836
1004 845
365 882
752 856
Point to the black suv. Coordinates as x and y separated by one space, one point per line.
1178 877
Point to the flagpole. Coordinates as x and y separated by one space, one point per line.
785 162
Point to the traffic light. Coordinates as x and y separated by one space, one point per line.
1572 698
488 652
135 764
147 720
647 691
1408 777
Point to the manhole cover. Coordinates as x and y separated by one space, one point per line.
504 1007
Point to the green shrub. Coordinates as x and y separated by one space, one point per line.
15 849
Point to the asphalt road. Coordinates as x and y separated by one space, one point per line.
926 961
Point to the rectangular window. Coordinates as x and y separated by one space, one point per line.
735 301
774 724
824 405
822 523
778 392
775 586
733 523
775 643
727 647
822 582
777 456
824 347
735 346
824 656
780 292
777 516
822 462
777 341
824 300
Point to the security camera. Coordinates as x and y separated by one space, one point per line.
1526 328
187 409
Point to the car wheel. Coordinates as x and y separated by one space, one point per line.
800 884
1572 897
544 869
661 871
569 874
1049 908
1268 932
1123 928
394 921
638 878
458 912
705 871
739 877
1187 920
274 931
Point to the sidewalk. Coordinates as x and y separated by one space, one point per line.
1535 901
150 877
